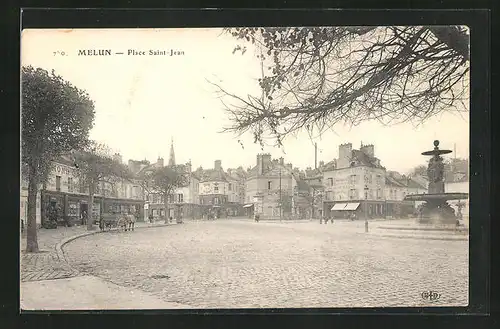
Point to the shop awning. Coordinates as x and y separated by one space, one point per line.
339 206
248 205
352 206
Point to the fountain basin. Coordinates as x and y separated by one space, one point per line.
436 209
437 196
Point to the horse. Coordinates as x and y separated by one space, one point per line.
130 222
126 222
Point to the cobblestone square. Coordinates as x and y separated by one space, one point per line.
242 264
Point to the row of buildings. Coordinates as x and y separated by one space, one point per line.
354 182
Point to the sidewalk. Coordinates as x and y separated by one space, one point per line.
87 293
48 263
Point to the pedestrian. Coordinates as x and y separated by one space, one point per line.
84 217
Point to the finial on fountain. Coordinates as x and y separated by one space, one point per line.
436 151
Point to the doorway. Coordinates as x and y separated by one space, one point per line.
84 207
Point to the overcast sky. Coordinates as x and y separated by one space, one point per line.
142 102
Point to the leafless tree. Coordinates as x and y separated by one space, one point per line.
96 166
166 180
320 76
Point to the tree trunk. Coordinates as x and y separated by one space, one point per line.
90 217
167 212
31 234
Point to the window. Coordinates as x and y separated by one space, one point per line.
58 183
216 189
353 179
181 197
216 200
330 181
353 194
269 185
155 198
229 187
70 184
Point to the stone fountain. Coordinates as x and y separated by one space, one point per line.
436 209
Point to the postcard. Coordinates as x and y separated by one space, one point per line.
241 168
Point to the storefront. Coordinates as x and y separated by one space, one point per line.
112 205
361 208
70 207
249 210
233 209
176 211
399 209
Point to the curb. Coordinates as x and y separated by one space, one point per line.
59 246
418 237
428 229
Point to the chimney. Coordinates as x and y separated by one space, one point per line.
345 153
282 161
321 163
217 165
259 164
160 162
368 150
266 162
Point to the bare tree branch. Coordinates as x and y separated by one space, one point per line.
323 76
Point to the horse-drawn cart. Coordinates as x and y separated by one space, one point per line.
117 221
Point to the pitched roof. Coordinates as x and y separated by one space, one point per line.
208 175
393 182
365 159
414 184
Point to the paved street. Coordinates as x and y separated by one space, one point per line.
236 263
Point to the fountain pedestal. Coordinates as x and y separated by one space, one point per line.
436 209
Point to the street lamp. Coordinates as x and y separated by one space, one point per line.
366 208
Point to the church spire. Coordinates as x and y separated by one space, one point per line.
171 160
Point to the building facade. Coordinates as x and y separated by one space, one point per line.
219 192
182 203
273 190
397 187
65 192
355 185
